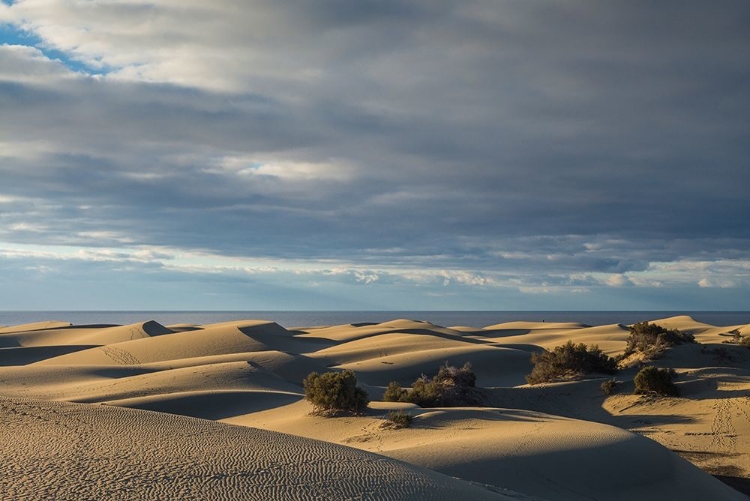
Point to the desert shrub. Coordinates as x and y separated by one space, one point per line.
335 392
398 419
451 387
393 392
569 360
609 387
720 353
736 337
652 380
652 339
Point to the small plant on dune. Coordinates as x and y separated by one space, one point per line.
652 340
333 393
609 387
569 361
393 392
739 339
654 381
451 387
736 337
398 419
720 354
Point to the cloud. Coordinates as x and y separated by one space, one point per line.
618 280
481 145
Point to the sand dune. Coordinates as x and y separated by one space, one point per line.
564 440
214 340
70 451
539 454
610 338
83 335
51 324
493 365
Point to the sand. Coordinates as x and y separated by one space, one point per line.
61 451
184 411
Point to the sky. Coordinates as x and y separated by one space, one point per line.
374 155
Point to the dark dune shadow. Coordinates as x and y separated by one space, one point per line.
29 355
214 405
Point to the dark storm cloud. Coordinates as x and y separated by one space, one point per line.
540 139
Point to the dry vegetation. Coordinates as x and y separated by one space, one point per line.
450 387
569 361
654 381
652 340
335 393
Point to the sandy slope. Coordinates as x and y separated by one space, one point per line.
66 451
538 454
555 441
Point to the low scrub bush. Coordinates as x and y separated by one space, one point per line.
739 339
398 419
609 387
335 392
451 387
393 392
719 353
652 380
736 337
569 360
652 339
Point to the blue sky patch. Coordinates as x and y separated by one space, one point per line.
13 36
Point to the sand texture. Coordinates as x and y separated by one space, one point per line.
231 421
54 450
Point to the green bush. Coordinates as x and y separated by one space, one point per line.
745 341
609 387
398 419
393 392
451 387
652 339
652 380
569 360
335 392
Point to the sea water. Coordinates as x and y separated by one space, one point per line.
315 318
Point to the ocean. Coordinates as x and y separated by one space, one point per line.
313 318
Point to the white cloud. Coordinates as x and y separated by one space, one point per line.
27 227
720 282
21 63
250 166
618 280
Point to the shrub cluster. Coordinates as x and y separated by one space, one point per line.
652 380
569 360
394 393
398 419
609 386
720 353
335 392
652 339
451 387
739 339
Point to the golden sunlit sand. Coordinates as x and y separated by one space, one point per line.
231 421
